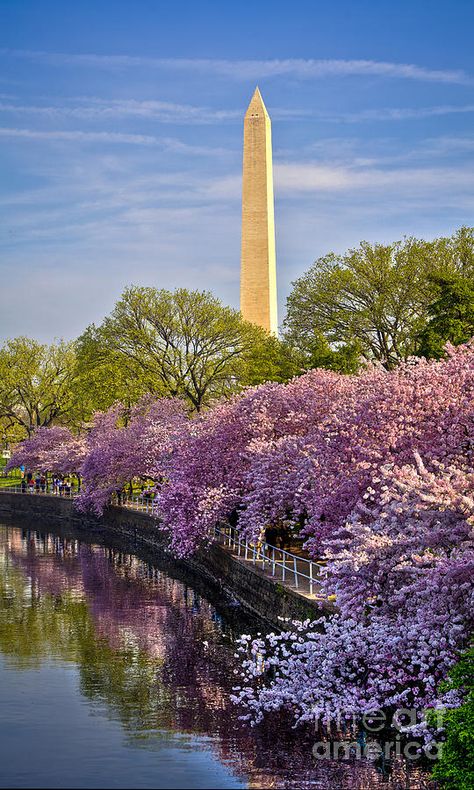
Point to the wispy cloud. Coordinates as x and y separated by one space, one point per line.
78 136
152 108
253 69
294 178
357 152
398 113
450 146
89 217
91 108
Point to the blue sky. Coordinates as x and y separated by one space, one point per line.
121 135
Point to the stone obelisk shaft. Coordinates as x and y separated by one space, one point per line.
258 291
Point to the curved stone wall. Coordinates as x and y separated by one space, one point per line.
233 580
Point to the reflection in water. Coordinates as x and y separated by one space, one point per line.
153 658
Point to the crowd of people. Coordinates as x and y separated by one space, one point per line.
35 483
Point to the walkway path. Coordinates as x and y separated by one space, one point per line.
293 571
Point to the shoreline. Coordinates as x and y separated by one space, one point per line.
234 584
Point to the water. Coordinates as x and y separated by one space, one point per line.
115 674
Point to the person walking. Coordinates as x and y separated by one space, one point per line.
271 534
284 535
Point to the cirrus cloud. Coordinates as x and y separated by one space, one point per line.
302 68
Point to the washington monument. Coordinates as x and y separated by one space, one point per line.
258 292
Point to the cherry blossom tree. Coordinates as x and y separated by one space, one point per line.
402 571
123 446
309 449
380 467
377 467
215 460
53 449
380 420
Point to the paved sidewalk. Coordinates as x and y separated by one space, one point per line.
291 572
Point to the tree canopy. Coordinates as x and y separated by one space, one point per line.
35 384
374 468
451 316
375 299
456 765
376 303
184 344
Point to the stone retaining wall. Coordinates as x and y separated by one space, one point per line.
245 584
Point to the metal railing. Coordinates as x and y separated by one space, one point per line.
300 572
48 490
135 502
139 502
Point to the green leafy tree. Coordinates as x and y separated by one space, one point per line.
184 344
269 359
374 300
455 768
10 433
451 316
35 385
454 254
103 377
313 350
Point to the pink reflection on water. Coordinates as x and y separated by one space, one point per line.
183 649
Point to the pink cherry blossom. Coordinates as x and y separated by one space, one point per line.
377 471
53 449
